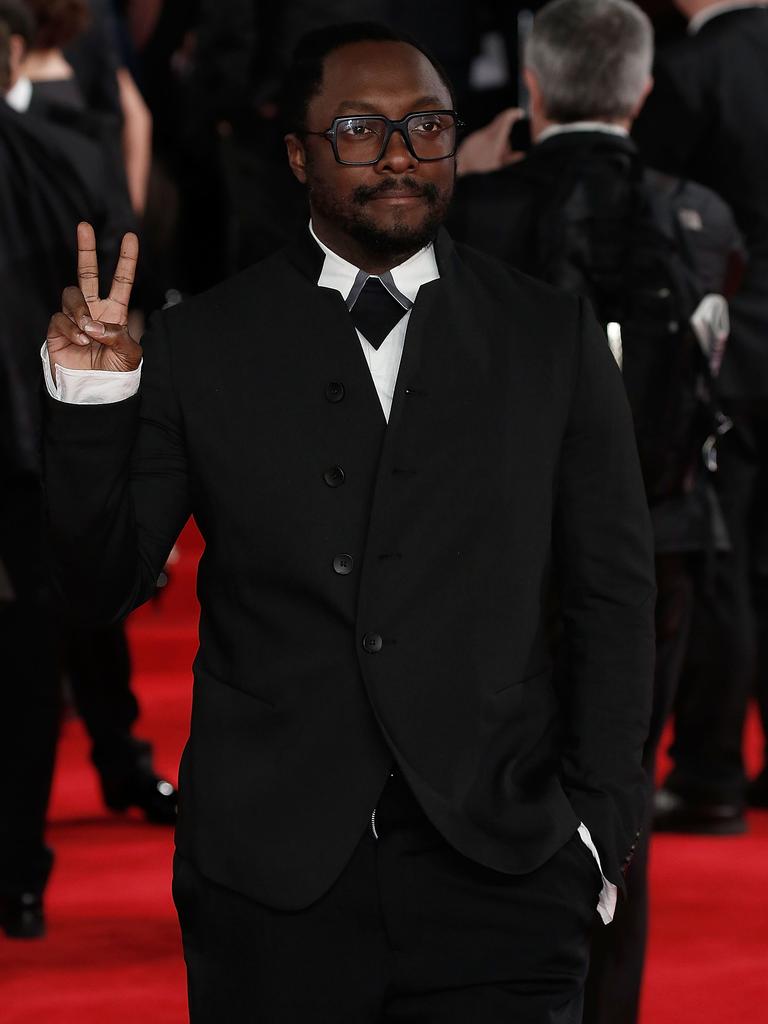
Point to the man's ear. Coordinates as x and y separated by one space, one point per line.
532 85
297 156
645 94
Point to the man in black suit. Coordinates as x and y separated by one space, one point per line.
707 120
403 455
581 115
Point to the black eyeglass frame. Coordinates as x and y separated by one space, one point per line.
391 128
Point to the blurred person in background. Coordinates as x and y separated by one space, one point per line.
51 177
581 210
192 61
73 72
72 76
45 72
42 190
108 86
707 119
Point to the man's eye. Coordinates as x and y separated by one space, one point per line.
355 129
428 127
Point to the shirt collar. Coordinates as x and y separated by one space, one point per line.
582 126
408 277
20 96
724 7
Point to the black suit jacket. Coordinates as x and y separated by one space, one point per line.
508 461
707 119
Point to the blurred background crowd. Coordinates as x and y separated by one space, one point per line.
648 195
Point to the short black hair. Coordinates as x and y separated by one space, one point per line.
19 20
58 22
304 77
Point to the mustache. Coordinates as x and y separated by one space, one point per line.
402 186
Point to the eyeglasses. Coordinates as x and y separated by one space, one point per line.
359 141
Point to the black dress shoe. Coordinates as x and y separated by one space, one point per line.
154 796
674 813
21 916
757 791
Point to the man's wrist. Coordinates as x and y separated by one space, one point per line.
88 387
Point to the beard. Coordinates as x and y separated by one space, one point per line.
352 214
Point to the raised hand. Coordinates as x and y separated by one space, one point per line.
488 148
92 333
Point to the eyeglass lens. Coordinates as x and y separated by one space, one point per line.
360 139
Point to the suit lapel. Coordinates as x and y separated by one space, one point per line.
424 325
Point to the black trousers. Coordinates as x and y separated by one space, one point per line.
97 663
29 694
719 672
411 933
761 683
618 953
36 644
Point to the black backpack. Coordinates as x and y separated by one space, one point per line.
611 232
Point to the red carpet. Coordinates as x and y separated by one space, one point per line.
113 953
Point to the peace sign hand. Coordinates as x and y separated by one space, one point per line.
92 333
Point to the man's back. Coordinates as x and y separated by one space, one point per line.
501 213
594 240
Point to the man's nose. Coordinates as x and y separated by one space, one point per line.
397 156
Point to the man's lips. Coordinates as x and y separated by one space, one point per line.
404 193
399 197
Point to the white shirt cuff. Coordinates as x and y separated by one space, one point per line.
606 902
89 387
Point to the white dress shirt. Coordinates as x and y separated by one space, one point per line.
19 96
100 387
383 362
582 126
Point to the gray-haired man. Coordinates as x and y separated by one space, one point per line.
708 119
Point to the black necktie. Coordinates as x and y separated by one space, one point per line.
375 312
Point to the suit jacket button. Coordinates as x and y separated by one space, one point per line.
334 392
343 564
334 476
372 643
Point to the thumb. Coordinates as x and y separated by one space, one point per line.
115 337
106 334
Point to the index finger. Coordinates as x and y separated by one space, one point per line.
87 262
122 282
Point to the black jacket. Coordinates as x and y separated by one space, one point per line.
503 213
707 119
508 464
500 212
50 178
